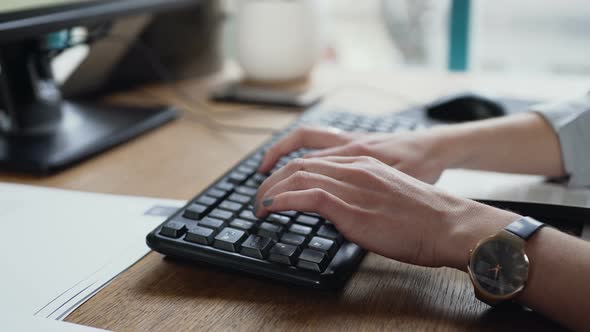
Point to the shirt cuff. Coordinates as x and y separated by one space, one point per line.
571 121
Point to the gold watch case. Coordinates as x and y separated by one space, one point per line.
504 243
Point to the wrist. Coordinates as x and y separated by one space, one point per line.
467 224
497 144
453 145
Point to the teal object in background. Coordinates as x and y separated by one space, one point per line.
58 40
459 35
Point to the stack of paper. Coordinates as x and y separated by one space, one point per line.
60 247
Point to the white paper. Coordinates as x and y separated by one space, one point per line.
31 323
511 187
60 247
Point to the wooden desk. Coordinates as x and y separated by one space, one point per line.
183 157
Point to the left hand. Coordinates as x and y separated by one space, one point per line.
422 154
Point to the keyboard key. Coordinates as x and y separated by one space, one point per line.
256 246
246 191
237 177
206 200
284 253
383 128
313 260
330 232
300 229
321 244
221 214
212 223
173 229
216 193
292 238
288 213
195 211
270 230
225 186
285 159
239 198
278 219
252 163
248 170
201 235
252 184
308 220
259 177
242 224
258 156
249 215
229 239
231 206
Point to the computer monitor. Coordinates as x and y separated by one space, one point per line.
40 132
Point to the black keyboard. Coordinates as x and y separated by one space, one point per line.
218 226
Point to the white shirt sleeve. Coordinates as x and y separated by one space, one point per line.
571 121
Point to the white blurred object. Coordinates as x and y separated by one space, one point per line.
66 63
277 40
419 28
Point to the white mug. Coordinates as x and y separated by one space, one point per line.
277 40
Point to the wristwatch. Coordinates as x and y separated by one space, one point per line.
498 265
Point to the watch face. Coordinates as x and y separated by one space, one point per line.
499 267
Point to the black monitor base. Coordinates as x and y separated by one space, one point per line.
83 131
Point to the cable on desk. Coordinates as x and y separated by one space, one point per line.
160 70
102 32
196 113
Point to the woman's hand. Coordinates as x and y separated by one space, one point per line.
522 143
421 154
382 209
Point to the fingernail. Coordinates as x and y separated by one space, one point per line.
267 202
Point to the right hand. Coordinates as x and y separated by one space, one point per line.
420 154
381 209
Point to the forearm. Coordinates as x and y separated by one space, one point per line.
558 278
559 264
523 143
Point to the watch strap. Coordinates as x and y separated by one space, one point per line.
524 227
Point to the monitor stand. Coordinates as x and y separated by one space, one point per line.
40 133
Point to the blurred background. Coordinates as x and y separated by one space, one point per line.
502 36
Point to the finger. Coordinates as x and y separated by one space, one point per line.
319 201
332 170
348 150
302 180
314 138
336 159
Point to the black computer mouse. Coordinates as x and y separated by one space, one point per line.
464 107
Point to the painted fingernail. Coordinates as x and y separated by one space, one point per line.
267 202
